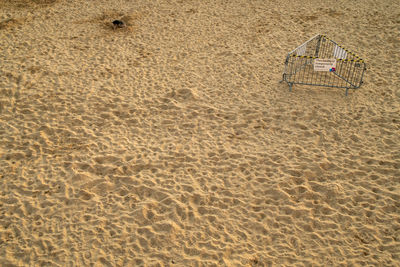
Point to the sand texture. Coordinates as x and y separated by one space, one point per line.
171 141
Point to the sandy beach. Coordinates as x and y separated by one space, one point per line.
172 142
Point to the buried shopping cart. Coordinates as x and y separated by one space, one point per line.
322 62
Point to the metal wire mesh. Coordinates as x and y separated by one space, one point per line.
300 67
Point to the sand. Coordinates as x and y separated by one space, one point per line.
171 142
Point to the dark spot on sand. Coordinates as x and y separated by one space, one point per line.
118 23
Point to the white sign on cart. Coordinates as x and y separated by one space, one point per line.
328 64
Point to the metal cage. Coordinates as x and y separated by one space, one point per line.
322 62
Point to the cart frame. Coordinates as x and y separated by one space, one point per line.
300 65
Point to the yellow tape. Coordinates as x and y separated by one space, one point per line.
338 59
347 51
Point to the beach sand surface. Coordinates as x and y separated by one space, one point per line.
171 141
